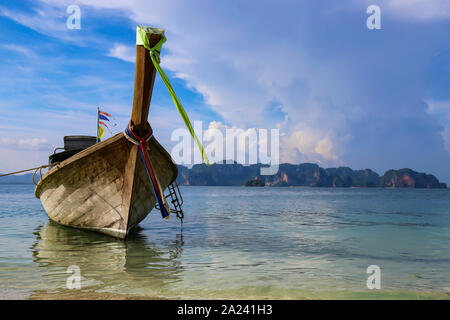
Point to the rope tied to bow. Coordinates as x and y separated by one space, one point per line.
142 142
142 38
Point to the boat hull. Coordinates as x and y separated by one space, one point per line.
105 188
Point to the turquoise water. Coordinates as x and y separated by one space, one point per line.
237 242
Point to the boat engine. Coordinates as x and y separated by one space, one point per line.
72 145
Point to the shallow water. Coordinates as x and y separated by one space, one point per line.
238 242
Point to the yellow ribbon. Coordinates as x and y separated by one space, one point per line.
154 55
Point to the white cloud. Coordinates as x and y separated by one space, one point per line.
439 107
441 111
49 18
43 21
17 48
310 145
123 52
15 159
25 144
238 80
243 66
246 151
417 10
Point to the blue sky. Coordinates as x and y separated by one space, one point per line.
340 94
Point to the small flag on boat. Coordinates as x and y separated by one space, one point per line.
102 115
101 133
106 126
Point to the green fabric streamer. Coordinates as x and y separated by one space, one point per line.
154 55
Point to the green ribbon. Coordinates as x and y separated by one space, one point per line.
154 55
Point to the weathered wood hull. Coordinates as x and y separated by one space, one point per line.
105 188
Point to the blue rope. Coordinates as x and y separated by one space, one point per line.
142 142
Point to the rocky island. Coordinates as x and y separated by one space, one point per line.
305 174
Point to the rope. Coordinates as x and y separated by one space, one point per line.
16 172
35 171
154 55
142 142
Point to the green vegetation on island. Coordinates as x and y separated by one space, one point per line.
254 183
305 174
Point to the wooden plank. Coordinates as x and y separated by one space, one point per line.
80 155
144 80
89 197
129 181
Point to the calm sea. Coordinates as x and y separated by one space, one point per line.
238 242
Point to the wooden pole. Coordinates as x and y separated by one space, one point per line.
98 116
144 80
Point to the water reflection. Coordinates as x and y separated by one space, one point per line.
108 267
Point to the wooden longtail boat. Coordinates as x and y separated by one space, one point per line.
106 188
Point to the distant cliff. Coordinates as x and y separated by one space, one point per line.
305 174
407 178
26 178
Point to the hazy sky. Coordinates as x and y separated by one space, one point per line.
341 94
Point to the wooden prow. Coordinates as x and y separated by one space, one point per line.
144 80
105 187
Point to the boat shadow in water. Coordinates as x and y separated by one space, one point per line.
109 268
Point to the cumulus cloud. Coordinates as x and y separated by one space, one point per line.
441 111
25 144
423 10
343 94
122 52
47 21
17 48
309 145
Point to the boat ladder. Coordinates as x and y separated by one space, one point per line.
174 196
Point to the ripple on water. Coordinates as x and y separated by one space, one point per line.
239 243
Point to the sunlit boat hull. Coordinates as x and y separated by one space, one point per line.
105 188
